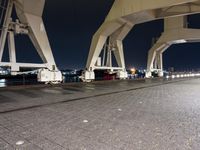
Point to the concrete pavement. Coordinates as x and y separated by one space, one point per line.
120 115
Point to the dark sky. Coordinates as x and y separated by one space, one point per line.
70 25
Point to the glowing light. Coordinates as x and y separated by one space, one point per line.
133 70
2 82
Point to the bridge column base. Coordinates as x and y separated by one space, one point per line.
160 73
88 76
47 76
122 75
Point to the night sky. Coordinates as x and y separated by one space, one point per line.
70 25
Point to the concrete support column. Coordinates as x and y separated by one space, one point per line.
173 34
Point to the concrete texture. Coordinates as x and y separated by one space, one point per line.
119 115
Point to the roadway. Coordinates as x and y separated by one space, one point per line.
113 115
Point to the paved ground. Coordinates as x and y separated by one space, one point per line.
120 115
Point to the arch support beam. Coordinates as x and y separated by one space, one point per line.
29 23
114 32
175 32
123 15
32 16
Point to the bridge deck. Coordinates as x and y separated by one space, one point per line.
143 114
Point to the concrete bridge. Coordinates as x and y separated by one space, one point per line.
121 19
160 113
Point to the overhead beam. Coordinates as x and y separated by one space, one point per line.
123 8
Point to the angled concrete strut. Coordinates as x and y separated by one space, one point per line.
30 22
